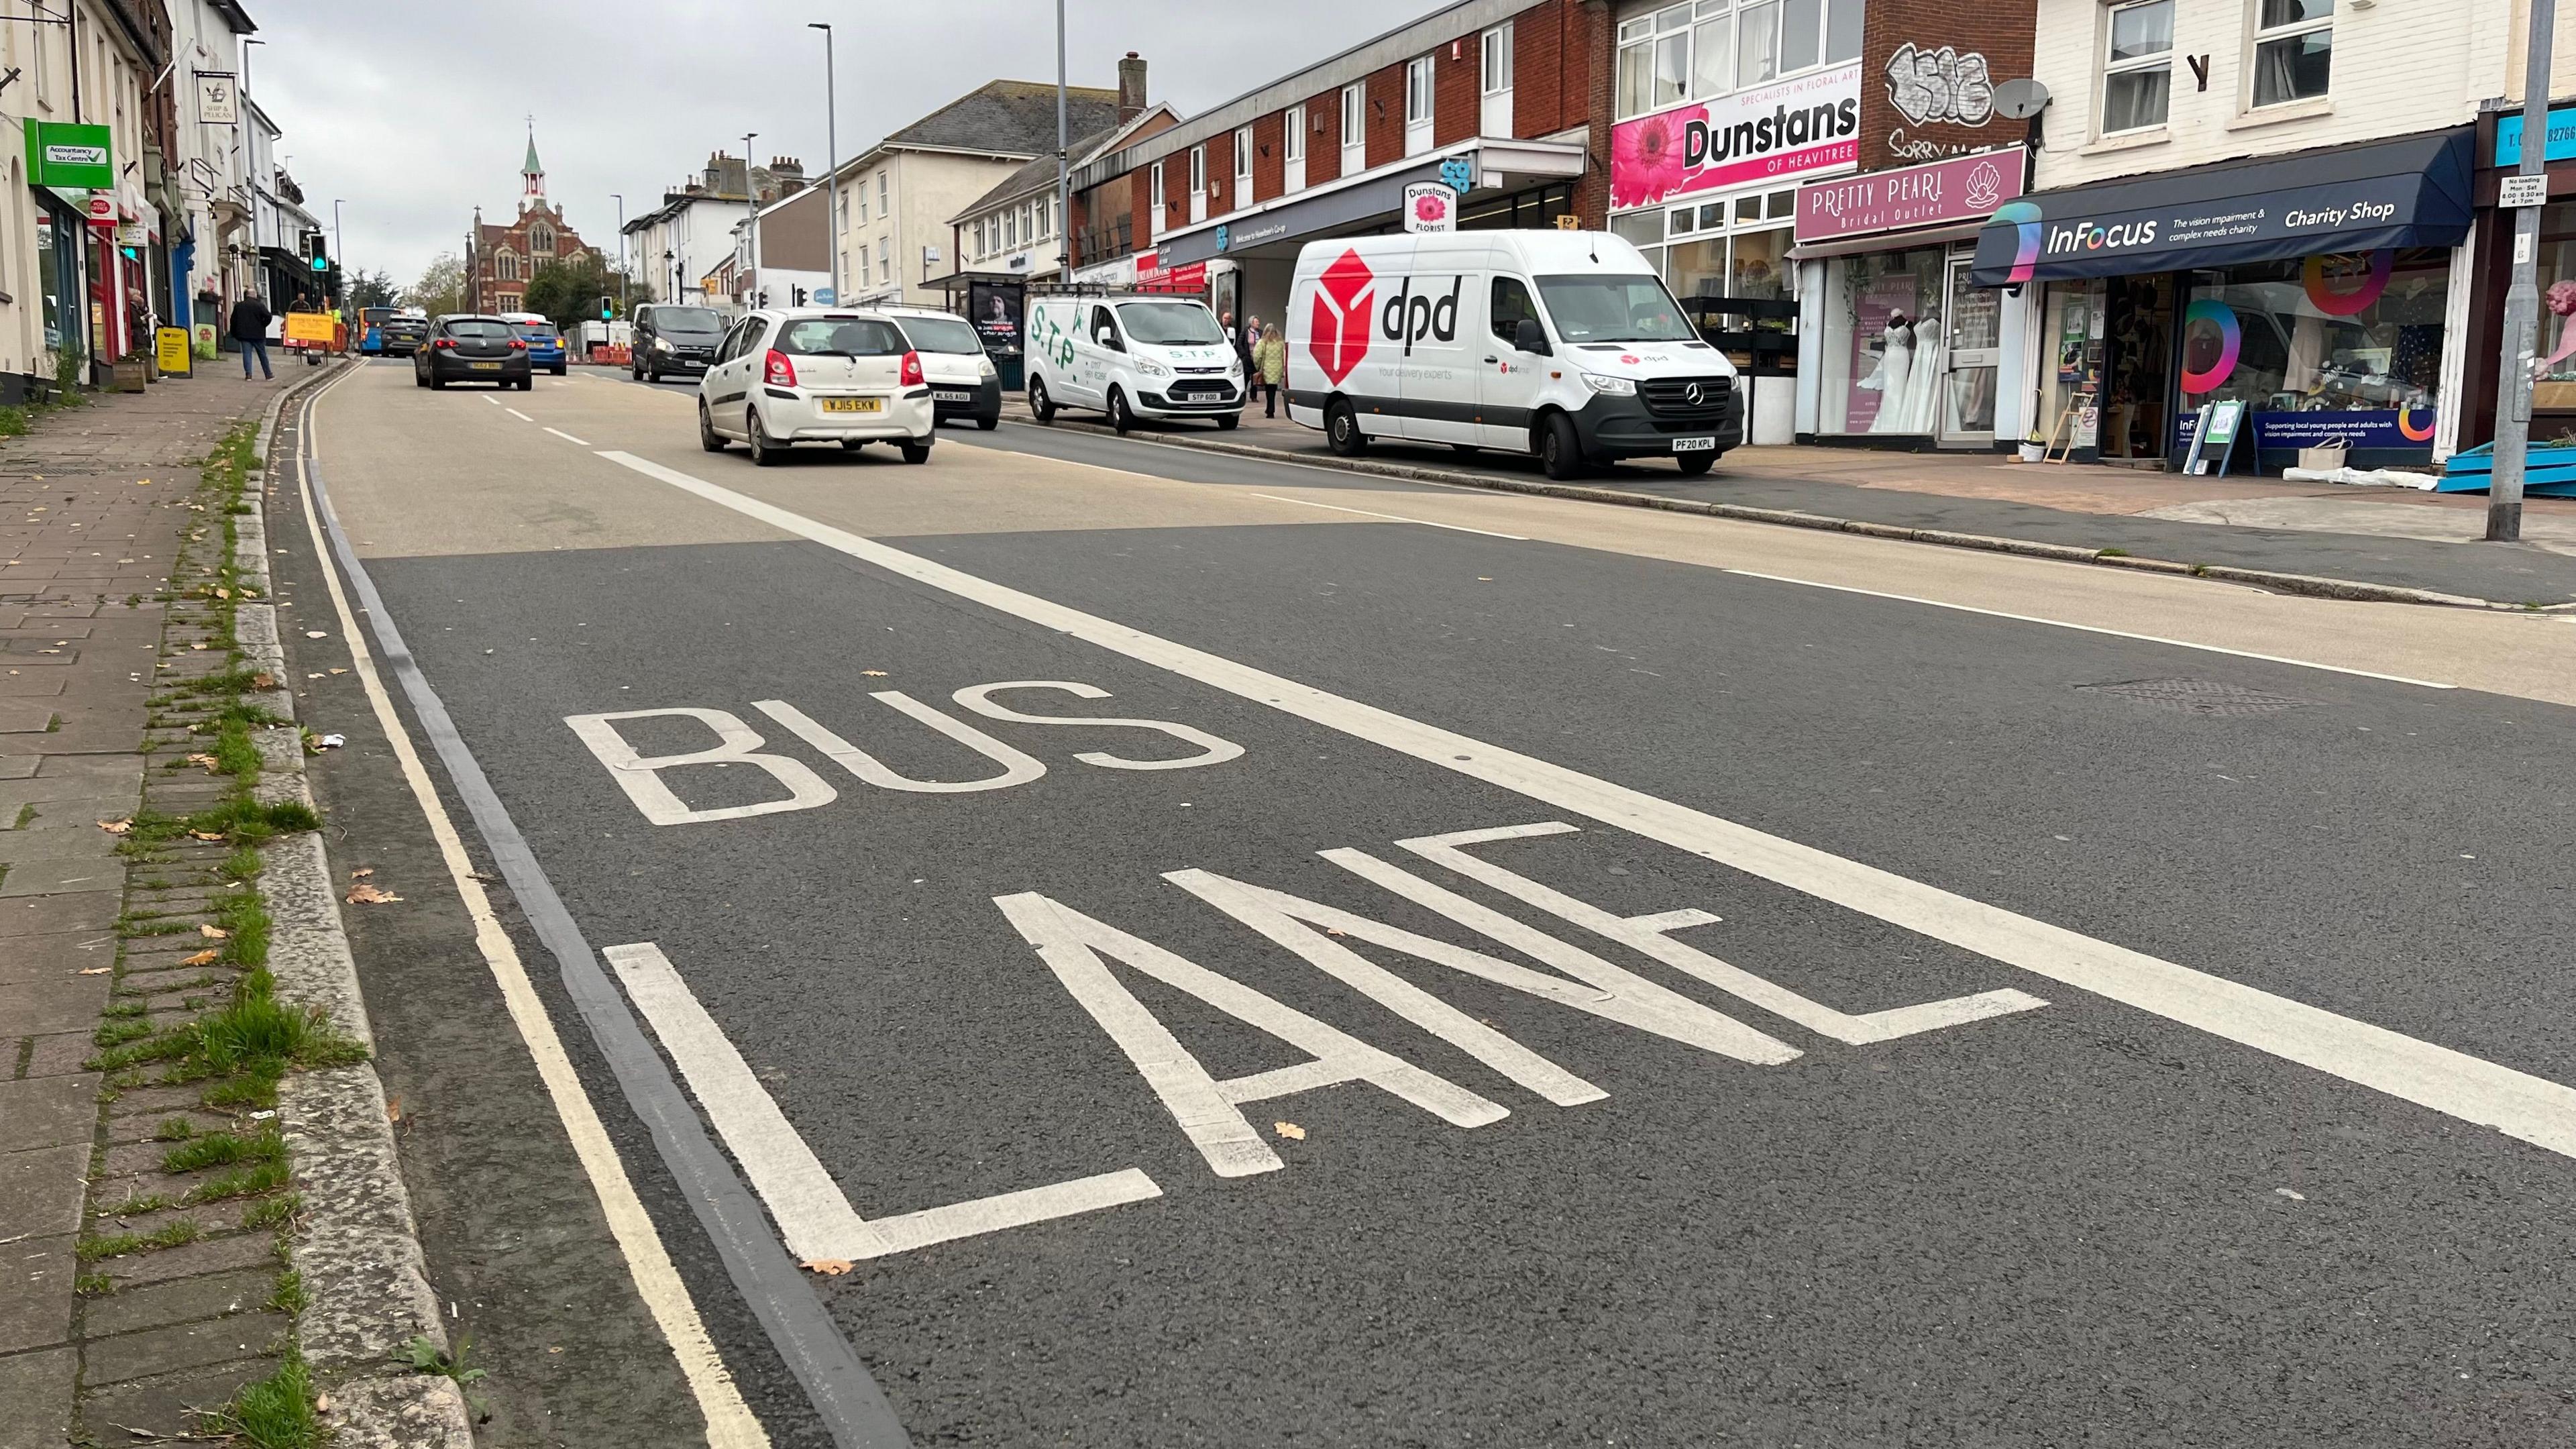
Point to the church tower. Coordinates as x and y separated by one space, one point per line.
532 175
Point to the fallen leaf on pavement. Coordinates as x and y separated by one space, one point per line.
223 593
206 760
263 680
116 827
203 958
367 895
96 970
213 933
339 671
322 1405
1289 1129
833 1267
393 1109
205 835
362 872
874 673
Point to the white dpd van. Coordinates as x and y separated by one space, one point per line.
1564 344
1131 355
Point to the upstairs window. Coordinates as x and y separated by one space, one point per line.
1708 48
2137 67
2293 50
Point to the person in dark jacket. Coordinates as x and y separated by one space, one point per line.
250 329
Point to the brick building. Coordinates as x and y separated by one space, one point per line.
506 256
1509 96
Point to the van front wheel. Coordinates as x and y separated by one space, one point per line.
1342 429
1041 407
1694 464
1121 419
1560 448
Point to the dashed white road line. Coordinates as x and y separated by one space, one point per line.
2454 1083
1394 517
494 401
522 417
567 437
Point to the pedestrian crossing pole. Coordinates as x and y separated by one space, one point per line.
2522 299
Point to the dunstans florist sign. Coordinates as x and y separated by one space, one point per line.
74 158
1430 206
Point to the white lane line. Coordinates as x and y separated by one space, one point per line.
1394 517
567 437
2093 629
522 417
730 1422
1783 578
494 401
812 1213
2531 1108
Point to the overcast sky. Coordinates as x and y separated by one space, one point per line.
414 113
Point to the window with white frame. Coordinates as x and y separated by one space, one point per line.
2137 66
1354 128
881 194
1293 132
885 259
1010 229
1198 170
1704 48
1157 184
1242 167
1417 91
1494 65
2293 50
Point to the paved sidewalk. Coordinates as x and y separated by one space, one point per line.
2393 537
94 505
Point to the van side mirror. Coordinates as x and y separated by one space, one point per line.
1109 338
1531 338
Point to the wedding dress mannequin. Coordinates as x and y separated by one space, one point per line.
1923 389
1895 376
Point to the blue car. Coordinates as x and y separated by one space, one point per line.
545 344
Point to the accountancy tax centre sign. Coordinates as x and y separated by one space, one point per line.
70 157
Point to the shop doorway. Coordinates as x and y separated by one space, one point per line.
1974 351
2137 422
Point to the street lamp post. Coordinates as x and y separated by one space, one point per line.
831 159
620 196
751 202
1063 197
337 257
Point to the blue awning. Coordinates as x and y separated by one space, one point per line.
2412 192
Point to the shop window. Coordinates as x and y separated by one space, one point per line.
2293 50
1880 310
2339 348
1645 231
2137 67
2556 389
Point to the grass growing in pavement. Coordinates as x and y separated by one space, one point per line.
273 1413
242 1182
117 1245
223 1149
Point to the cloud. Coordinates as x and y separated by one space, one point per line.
414 113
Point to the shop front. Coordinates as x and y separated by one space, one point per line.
2316 289
1245 262
1708 191
2553 394
1907 350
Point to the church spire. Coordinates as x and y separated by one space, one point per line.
532 172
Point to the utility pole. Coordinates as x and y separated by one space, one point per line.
1063 188
2522 299
831 160
751 197
623 309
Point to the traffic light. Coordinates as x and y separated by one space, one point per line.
799 294
608 309
331 280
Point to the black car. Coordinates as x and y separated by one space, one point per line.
670 338
403 335
471 348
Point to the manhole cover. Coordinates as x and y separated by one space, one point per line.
2196 696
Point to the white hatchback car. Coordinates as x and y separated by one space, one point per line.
813 375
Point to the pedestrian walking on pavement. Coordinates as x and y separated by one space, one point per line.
250 329
1246 340
1270 368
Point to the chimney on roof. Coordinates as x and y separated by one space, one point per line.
1131 88
786 176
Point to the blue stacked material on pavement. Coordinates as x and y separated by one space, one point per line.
2546 472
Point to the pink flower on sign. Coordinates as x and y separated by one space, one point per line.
1646 157
1430 208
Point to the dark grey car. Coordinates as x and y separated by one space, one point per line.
471 348
672 339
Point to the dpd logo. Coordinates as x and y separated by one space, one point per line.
1410 318
1341 322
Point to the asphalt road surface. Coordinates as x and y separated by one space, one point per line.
1080 943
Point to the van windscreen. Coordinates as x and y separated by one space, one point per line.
1170 324
1590 307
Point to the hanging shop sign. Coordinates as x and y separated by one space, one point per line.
76 157
1430 206
218 97
100 208
1789 128
2407 193
1963 188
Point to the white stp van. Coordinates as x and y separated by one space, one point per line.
1564 344
1131 355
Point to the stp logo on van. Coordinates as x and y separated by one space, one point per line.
1341 325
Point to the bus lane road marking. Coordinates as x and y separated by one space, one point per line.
2450 1082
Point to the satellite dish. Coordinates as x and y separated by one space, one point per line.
2019 100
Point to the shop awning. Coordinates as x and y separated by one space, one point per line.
1886 241
2412 192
